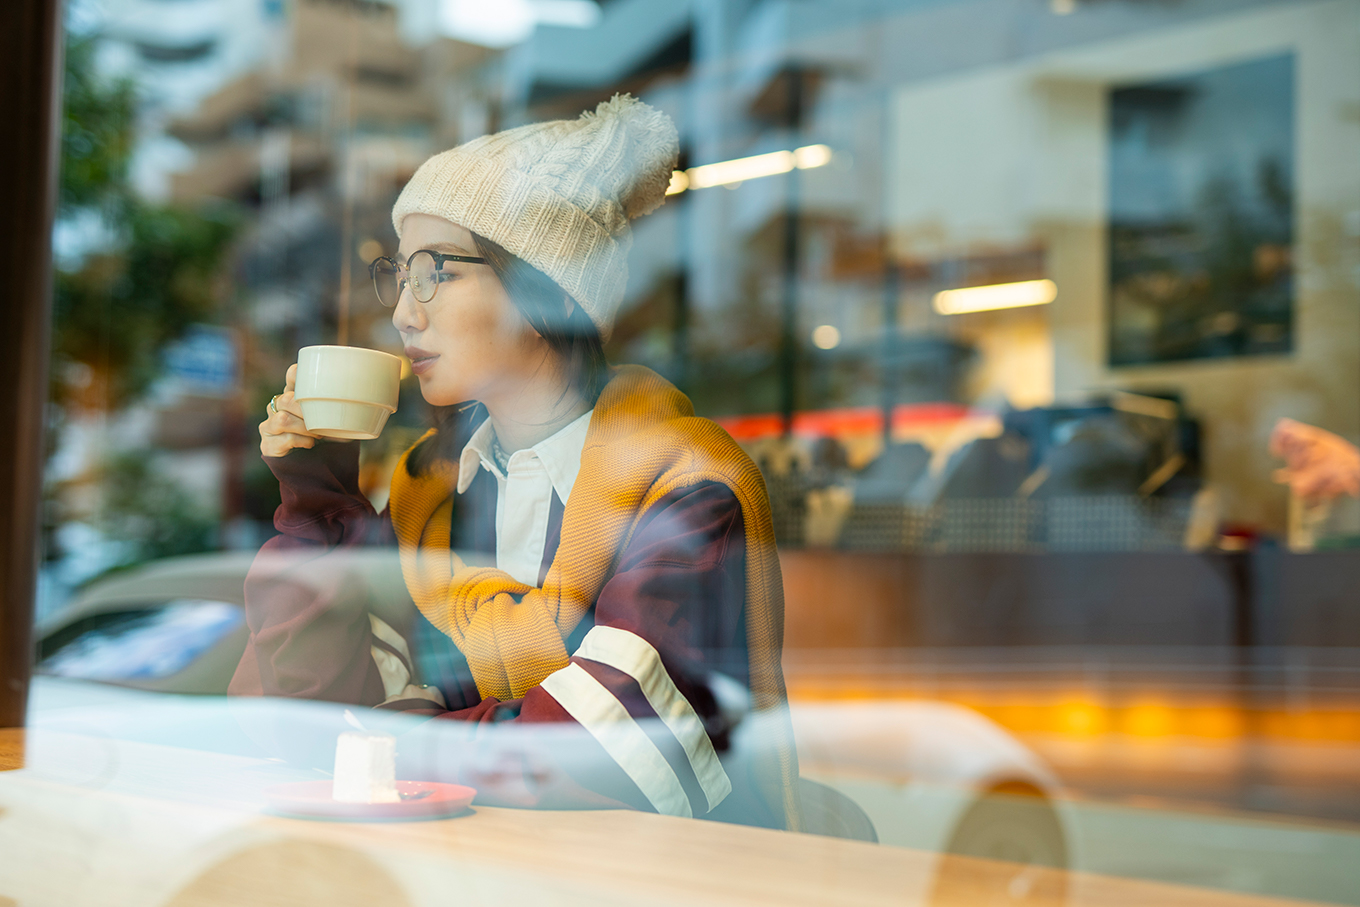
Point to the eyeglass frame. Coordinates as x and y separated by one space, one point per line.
439 259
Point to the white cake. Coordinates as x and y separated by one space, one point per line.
365 768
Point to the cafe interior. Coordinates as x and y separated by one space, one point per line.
1015 304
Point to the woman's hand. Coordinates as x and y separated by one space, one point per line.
281 431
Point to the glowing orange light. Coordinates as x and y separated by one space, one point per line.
1080 717
1149 719
1219 722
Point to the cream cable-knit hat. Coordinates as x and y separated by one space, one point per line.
558 194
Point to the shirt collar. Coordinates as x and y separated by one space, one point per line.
560 455
475 454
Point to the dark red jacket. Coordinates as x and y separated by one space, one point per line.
679 585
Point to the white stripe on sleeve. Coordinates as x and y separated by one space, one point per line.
599 712
393 671
634 656
396 676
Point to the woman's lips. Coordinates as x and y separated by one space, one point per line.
421 361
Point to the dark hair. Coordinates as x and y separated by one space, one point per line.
555 316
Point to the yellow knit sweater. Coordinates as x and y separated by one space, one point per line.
643 443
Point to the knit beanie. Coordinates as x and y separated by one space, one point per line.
558 194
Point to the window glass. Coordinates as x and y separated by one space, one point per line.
1030 330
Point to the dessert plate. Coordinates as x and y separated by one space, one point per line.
419 800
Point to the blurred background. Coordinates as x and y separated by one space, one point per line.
1003 296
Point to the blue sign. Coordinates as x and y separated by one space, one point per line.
203 360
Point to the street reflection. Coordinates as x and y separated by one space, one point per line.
1005 823
1168 765
1040 320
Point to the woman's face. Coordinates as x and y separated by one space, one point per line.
469 342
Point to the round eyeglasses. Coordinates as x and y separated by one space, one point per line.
423 273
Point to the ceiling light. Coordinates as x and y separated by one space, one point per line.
739 170
810 156
995 296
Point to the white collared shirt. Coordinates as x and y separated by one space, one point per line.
525 491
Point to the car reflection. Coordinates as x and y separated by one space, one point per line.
932 776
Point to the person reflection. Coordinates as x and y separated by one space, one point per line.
1319 466
636 583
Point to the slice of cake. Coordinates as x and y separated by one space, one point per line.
365 768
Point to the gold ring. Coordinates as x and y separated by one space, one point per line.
272 407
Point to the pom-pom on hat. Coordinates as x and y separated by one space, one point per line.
558 194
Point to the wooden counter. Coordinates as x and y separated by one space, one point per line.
84 843
11 748
615 857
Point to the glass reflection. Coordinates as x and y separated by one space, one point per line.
1018 308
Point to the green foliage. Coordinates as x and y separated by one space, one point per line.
97 130
120 307
150 513
116 310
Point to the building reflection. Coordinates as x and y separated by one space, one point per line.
1003 298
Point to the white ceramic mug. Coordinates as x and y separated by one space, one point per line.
345 391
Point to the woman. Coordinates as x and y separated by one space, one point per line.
636 576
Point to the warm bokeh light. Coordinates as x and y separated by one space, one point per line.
826 337
1214 721
369 249
995 296
1148 719
1080 717
739 170
810 156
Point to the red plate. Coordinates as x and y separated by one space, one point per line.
419 800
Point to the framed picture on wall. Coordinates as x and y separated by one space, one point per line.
1201 214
